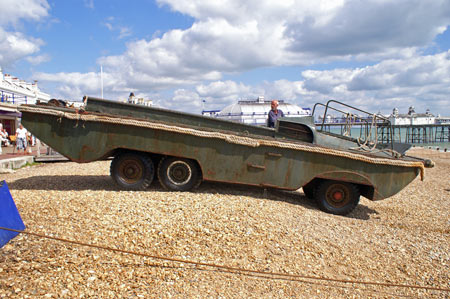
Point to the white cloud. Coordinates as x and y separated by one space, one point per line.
235 36
222 89
14 11
72 85
421 81
219 94
35 60
109 26
15 46
89 4
416 81
370 28
184 98
122 31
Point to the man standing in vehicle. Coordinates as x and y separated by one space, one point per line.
274 114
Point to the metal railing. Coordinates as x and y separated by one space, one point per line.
370 121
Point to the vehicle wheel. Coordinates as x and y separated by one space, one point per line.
337 198
132 171
308 189
179 174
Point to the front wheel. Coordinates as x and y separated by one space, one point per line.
133 171
339 198
179 174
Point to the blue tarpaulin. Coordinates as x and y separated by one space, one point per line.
9 215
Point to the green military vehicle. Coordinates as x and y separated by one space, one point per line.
181 150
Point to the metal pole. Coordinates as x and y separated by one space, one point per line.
101 79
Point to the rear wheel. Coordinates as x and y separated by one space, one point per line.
339 198
179 174
133 171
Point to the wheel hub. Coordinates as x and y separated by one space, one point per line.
337 195
179 172
131 171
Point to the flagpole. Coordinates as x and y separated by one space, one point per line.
101 79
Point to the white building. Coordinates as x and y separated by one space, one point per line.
412 118
16 91
13 92
132 99
255 112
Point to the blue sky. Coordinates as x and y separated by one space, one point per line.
375 54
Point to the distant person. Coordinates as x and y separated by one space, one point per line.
274 114
21 139
3 137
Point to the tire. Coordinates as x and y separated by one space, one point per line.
179 174
339 198
132 171
308 189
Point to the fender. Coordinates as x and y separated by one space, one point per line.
366 186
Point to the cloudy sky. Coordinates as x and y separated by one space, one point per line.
375 54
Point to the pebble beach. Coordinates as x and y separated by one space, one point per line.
396 247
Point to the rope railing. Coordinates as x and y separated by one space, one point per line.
230 138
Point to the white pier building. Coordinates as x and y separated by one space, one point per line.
255 112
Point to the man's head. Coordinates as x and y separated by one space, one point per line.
274 104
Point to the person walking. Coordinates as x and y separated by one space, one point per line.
21 139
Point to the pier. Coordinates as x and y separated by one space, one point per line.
412 128
413 134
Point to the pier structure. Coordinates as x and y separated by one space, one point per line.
413 134
412 128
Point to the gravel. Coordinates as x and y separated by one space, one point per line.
401 240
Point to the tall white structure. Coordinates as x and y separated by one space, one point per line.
255 112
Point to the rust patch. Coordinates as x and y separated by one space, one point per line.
288 172
211 173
